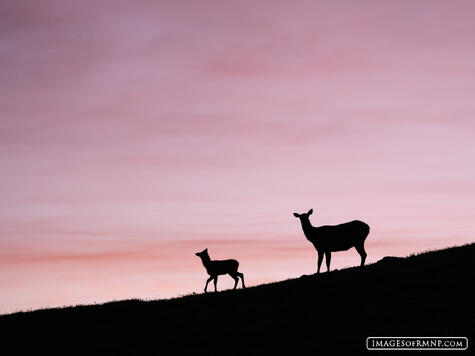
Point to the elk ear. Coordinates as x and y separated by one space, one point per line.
296 215
310 212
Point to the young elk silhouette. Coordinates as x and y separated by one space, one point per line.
331 238
216 268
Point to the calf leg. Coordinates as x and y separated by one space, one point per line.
362 252
209 280
242 278
215 283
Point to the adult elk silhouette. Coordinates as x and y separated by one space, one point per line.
332 238
216 268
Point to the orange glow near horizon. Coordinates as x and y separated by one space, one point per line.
136 134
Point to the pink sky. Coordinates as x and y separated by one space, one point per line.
134 134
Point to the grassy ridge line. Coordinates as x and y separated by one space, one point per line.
425 294
138 303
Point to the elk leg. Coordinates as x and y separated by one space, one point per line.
236 279
215 283
242 278
362 252
209 280
320 259
328 257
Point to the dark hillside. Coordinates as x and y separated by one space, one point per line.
431 294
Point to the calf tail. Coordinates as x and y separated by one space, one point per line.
365 231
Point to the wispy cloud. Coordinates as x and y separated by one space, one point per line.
133 134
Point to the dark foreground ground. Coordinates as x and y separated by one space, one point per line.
432 294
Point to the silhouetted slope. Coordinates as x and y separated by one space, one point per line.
430 294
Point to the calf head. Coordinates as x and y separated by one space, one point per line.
203 253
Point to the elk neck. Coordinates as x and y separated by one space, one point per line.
308 229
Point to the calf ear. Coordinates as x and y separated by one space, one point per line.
310 212
296 215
